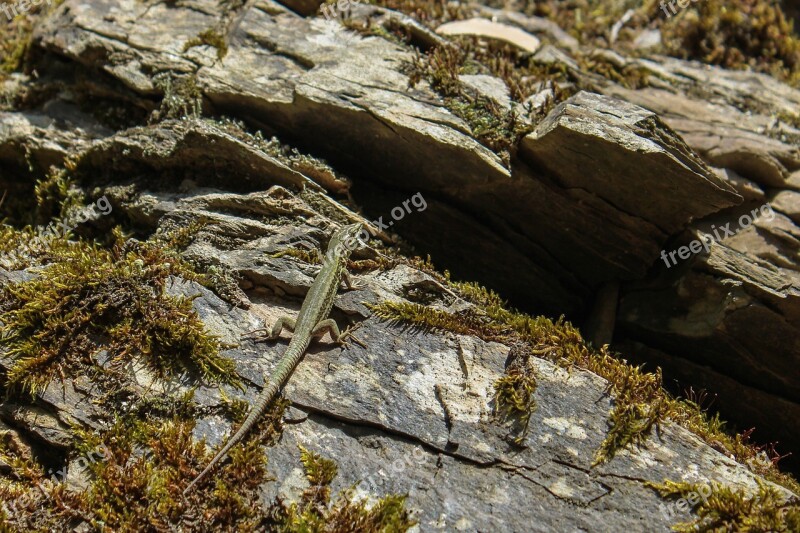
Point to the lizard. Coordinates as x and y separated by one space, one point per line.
312 321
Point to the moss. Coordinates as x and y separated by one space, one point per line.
15 36
369 28
209 37
315 168
736 34
311 257
640 402
319 471
56 196
234 408
731 33
182 97
135 483
639 406
629 76
86 298
498 129
429 12
728 509
513 391
315 513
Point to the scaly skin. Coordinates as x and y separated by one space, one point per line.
311 322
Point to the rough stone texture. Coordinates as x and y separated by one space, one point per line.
605 182
328 89
411 413
486 28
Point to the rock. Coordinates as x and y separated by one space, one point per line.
534 25
682 187
488 87
647 39
788 203
493 30
578 209
748 190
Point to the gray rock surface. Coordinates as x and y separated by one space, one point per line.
605 182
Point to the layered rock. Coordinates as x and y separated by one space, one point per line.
601 186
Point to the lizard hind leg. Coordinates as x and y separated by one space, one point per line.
282 323
329 326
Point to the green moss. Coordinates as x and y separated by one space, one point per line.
728 509
138 469
86 298
640 402
497 129
429 12
315 513
209 37
311 257
736 34
182 97
315 168
319 471
15 35
639 406
629 76
57 196
513 392
234 408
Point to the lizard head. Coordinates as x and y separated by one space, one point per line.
345 240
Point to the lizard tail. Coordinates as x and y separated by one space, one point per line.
247 425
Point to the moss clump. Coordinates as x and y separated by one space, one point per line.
209 37
513 392
315 513
428 12
136 485
310 257
497 129
736 34
629 76
640 402
182 97
56 196
15 34
728 509
315 168
86 298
